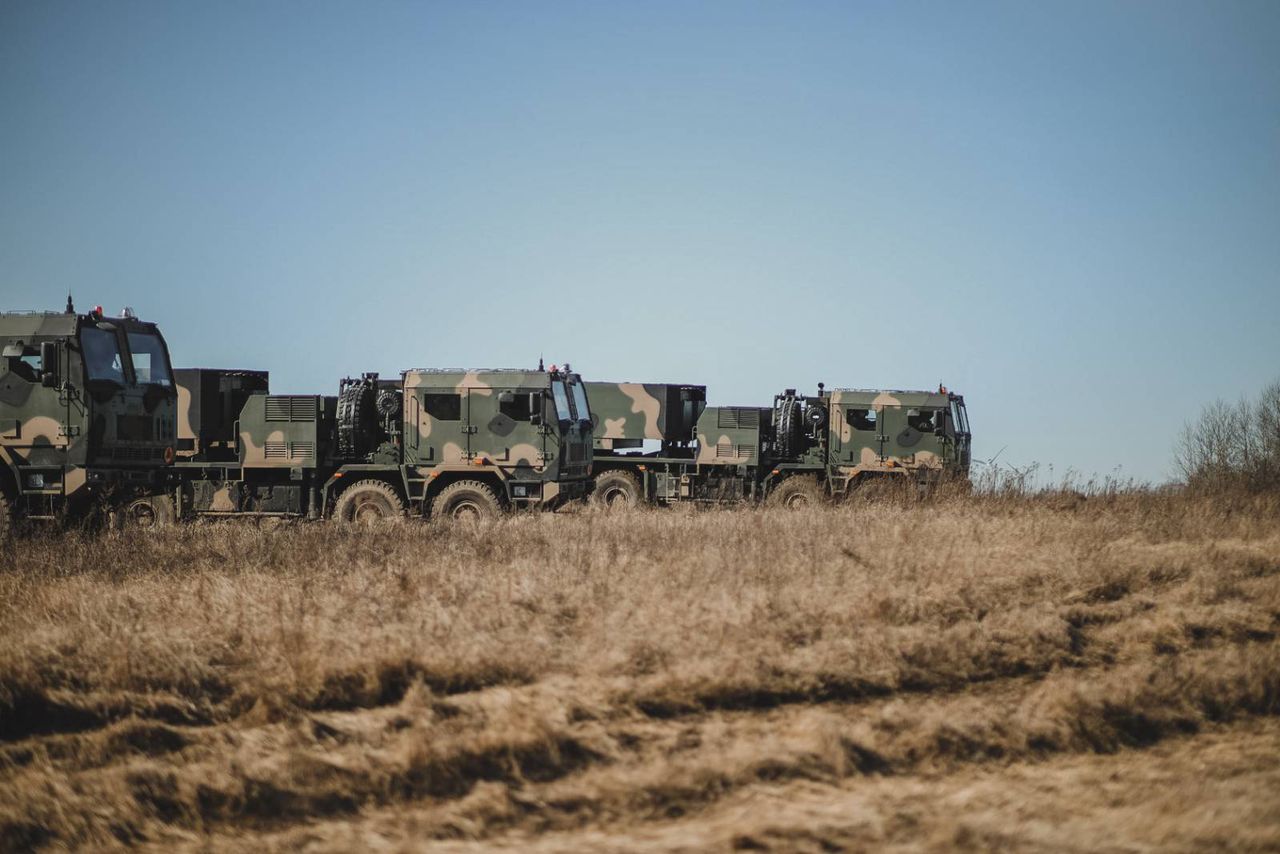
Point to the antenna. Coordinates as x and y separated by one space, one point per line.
540 366
71 307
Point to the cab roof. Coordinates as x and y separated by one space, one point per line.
891 397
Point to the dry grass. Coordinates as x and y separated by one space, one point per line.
649 680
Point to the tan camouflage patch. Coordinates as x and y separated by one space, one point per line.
221 500
613 428
646 405
525 453
453 453
43 428
185 430
74 480
255 453
882 400
471 381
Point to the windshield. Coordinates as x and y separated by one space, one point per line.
562 401
580 401
150 365
102 355
961 416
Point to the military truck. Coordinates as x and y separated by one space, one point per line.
440 443
800 450
87 416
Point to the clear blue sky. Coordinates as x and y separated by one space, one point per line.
1069 212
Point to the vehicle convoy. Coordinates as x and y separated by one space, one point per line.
442 443
800 450
87 415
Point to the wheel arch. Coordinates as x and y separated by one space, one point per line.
439 481
340 482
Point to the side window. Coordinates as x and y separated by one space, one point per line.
519 407
862 419
26 366
443 407
923 420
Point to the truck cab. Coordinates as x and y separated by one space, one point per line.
876 432
87 414
524 437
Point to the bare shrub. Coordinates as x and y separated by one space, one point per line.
1233 446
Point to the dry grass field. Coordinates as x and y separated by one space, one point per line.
988 673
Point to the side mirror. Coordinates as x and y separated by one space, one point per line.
49 364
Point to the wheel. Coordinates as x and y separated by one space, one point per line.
7 517
796 493
368 502
148 512
466 499
616 489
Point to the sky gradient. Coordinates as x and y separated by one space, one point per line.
1068 212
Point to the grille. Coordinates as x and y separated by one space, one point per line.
136 454
726 450
291 408
733 417
288 450
577 453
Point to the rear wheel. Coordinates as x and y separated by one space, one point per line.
466 499
796 493
368 502
617 490
148 512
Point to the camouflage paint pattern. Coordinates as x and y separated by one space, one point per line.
505 420
893 432
82 432
731 435
627 414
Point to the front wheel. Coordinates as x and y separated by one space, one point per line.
616 490
148 513
466 499
368 502
796 493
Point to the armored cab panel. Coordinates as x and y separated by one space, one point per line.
209 404
732 435
624 415
534 425
285 430
878 429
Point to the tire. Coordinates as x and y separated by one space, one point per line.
147 513
8 518
796 493
368 502
617 490
466 499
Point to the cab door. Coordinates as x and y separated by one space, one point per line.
862 440
893 427
443 426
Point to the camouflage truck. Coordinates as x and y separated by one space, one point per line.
87 416
441 443
799 450
838 441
